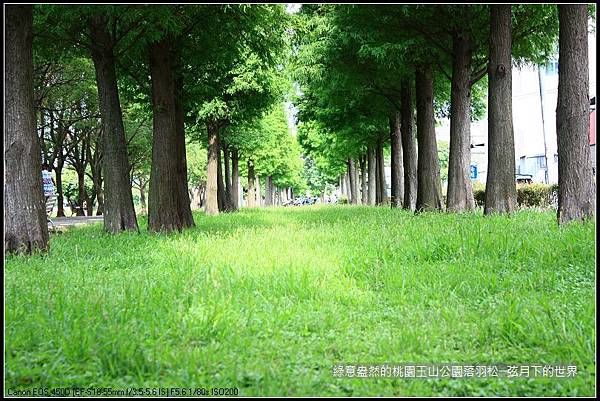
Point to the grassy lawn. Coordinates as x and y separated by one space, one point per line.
268 301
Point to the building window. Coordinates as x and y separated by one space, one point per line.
541 162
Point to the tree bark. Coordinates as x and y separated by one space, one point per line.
227 165
99 197
460 190
25 226
363 179
397 168
500 189
372 176
576 184
409 149
184 208
429 186
259 201
251 195
119 213
166 201
347 186
212 205
353 184
220 186
235 180
381 172
268 191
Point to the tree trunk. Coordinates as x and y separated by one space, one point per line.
100 197
166 200
576 184
409 149
220 186
90 204
356 182
268 191
371 166
348 186
259 201
226 158
25 226
82 193
460 190
363 179
500 189
119 213
60 208
235 181
212 205
429 186
381 172
397 173
184 208
251 195
353 184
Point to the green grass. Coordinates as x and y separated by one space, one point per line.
268 301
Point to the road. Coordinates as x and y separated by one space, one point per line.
76 220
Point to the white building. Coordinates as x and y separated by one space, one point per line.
534 121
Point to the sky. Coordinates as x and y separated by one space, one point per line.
293 8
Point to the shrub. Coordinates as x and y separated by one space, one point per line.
535 195
479 195
528 195
343 200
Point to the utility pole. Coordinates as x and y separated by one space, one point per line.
541 86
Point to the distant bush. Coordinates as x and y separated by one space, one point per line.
343 200
528 195
537 195
479 195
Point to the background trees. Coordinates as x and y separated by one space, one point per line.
121 92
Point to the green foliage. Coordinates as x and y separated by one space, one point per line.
528 195
268 301
196 164
536 195
444 157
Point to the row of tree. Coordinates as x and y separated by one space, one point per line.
164 76
363 70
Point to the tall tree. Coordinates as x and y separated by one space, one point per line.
371 198
409 148
429 187
500 190
576 185
119 213
212 205
460 190
235 180
165 208
25 227
397 165
363 179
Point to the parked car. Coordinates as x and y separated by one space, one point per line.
524 179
